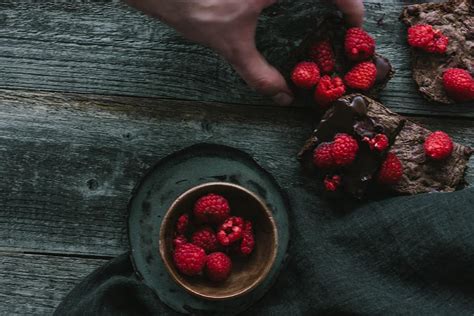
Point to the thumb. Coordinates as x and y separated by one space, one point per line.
353 10
260 75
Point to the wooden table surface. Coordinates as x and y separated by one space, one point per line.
93 93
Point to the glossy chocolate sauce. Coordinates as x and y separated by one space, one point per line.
340 118
350 117
383 69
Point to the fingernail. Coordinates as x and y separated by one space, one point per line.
282 98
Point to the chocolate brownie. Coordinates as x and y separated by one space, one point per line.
360 116
421 174
455 18
333 29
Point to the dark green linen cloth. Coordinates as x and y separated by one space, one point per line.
403 255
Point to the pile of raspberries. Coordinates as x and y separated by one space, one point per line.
342 152
204 241
458 83
317 74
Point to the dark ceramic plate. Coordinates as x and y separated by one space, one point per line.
168 179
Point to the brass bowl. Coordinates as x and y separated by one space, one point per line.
247 273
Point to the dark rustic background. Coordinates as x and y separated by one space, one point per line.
93 93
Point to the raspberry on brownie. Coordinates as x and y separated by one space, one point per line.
422 173
432 26
358 44
329 90
305 75
438 145
322 53
427 38
362 76
394 153
336 50
349 126
458 84
391 170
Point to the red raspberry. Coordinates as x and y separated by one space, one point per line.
247 244
427 38
218 266
323 54
182 224
379 142
391 170
189 259
420 35
439 44
438 145
358 44
206 239
305 75
332 183
329 90
361 76
230 231
344 149
459 84
322 156
179 240
211 208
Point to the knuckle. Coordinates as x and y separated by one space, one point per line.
262 84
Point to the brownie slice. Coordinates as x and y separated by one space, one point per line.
333 29
358 116
425 175
361 116
455 18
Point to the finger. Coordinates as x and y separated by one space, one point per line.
260 75
353 11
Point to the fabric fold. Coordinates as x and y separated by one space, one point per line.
403 255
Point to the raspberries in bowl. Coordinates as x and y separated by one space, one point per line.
218 240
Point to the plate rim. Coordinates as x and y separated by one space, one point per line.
183 151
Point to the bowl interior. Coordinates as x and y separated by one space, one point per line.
248 272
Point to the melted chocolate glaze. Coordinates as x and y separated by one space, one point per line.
349 115
361 116
383 69
340 118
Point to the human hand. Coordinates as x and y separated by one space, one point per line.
228 27
353 11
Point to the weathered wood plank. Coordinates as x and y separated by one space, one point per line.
69 162
36 284
104 47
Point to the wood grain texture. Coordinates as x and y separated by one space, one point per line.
104 47
71 161
36 284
